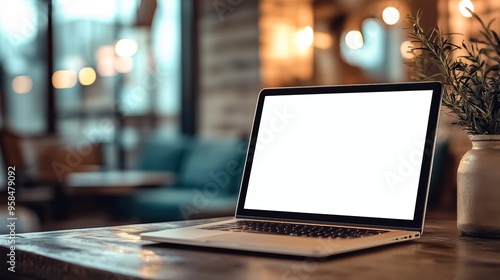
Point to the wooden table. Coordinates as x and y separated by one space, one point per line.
117 253
115 182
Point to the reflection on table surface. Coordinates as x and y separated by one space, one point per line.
103 253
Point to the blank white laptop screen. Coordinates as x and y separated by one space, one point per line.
356 154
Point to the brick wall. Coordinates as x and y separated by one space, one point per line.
229 66
245 45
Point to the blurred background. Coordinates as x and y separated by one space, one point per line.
125 111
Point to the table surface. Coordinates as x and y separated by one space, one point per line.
115 181
118 253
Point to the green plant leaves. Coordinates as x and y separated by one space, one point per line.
472 80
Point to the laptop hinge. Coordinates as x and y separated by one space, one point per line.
330 223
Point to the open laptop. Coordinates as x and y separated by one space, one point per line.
330 169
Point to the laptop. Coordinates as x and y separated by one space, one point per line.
329 170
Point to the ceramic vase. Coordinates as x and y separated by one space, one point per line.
478 188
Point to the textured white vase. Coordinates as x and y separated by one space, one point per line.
478 188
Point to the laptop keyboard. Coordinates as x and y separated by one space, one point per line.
294 229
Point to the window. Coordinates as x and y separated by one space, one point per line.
116 69
23 28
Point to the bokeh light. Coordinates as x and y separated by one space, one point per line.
323 40
463 5
304 37
126 47
406 50
63 79
22 84
354 39
105 58
87 76
390 15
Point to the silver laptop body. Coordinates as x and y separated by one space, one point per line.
353 158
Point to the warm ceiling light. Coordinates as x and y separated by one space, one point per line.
126 47
62 79
87 76
304 37
463 5
390 15
22 84
354 39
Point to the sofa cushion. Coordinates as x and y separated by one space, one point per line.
213 165
159 154
208 181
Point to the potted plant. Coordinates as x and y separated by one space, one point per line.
471 78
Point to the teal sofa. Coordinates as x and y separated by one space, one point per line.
208 174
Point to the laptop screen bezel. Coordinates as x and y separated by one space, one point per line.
426 167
